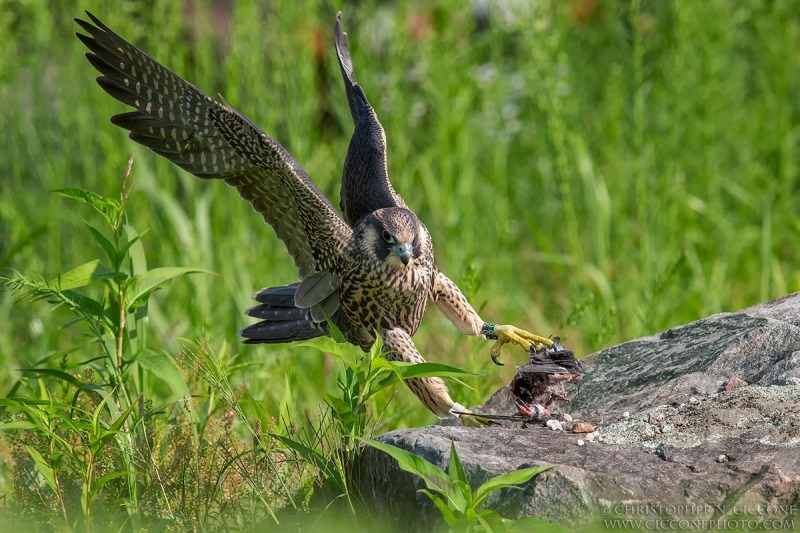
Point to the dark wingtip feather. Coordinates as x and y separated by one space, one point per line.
355 94
128 120
164 147
95 27
97 22
100 64
117 91
87 40
84 25
343 50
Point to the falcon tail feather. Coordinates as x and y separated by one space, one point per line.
281 321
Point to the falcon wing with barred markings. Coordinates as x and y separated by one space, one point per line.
176 120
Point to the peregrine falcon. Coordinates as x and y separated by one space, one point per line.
371 271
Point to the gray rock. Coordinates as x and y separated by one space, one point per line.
759 345
634 468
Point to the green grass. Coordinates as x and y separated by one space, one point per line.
599 174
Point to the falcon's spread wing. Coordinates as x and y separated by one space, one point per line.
178 121
365 180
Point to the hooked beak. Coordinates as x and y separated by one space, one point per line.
403 251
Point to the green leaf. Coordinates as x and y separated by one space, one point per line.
462 496
335 333
492 521
127 246
83 275
96 415
454 469
343 415
379 382
433 476
447 513
98 483
340 407
163 367
511 479
55 373
105 436
258 408
122 417
143 284
134 250
377 347
107 207
347 352
43 467
85 499
21 402
105 244
421 370
84 305
86 388
16 424
310 455
61 357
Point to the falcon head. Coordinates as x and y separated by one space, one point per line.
392 237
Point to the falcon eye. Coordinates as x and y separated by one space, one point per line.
388 238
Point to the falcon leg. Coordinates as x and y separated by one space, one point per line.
452 302
432 391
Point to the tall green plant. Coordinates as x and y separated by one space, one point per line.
114 292
85 418
333 444
459 504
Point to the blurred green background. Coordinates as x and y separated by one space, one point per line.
596 169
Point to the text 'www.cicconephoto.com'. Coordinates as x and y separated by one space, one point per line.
688 517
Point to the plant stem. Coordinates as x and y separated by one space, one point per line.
121 326
60 497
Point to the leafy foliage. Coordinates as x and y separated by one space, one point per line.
84 439
459 504
333 446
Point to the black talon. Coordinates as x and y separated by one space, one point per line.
496 361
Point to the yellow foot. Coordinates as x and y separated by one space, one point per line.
509 334
470 419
